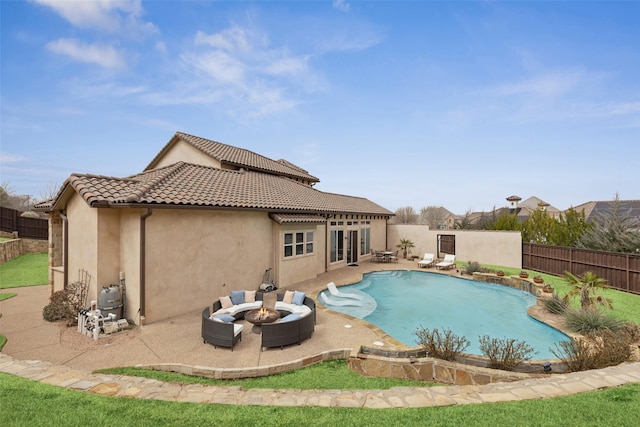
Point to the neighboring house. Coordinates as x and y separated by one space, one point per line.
523 209
593 210
437 218
204 218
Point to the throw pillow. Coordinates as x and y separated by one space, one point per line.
226 302
249 296
290 318
237 297
288 296
224 318
298 298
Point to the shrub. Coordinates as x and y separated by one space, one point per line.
59 308
595 350
505 354
555 304
442 345
584 321
472 267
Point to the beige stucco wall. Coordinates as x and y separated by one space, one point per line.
194 257
296 269
502 248
83 242
182 151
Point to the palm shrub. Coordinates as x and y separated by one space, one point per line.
595 350
591 320
442 345
586 287
405 245
505 354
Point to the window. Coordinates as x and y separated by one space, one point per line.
337 243
365 241
298 243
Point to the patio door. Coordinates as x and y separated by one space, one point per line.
352 246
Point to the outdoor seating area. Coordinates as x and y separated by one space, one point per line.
291 321
384 256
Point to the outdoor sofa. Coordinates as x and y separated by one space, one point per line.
219 328
297 321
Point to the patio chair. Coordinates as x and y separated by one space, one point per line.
427 261
342 301
393 257
377 256
336 293
449 261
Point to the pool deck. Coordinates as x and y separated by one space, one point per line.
54 354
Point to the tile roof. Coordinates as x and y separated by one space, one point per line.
296 218
238 157
186 184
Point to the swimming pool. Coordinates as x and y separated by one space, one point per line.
398 302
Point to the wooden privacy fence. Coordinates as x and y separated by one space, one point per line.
30 228
622 271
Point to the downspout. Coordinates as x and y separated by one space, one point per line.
65 248
143 260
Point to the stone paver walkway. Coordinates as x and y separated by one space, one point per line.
398 397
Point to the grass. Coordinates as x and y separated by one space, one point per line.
333 374
625 304
26 270
28 403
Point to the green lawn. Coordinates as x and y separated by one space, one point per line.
625 304
334 374
26 270
29 403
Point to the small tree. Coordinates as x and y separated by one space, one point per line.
442 345
405 215
585 287
405 245
505 354
614 231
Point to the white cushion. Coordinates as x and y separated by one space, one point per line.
237 328
235 309
292 308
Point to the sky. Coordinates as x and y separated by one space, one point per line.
457 104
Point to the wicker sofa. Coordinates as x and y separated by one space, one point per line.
282 332
220 333
238 310
226 333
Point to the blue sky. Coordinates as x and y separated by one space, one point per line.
454 104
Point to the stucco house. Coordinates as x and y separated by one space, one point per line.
202 219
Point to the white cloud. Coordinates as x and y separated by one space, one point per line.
233 39
106 15
10 158
547 85
105 56
341 5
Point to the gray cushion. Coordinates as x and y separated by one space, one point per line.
298 298
237 297
225 318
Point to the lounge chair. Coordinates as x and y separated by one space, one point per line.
336 293
449 261
342 301
427 261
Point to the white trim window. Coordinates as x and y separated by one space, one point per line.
365 239
298 243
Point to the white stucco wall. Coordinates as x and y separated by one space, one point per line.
503 248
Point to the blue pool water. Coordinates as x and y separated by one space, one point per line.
398 302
